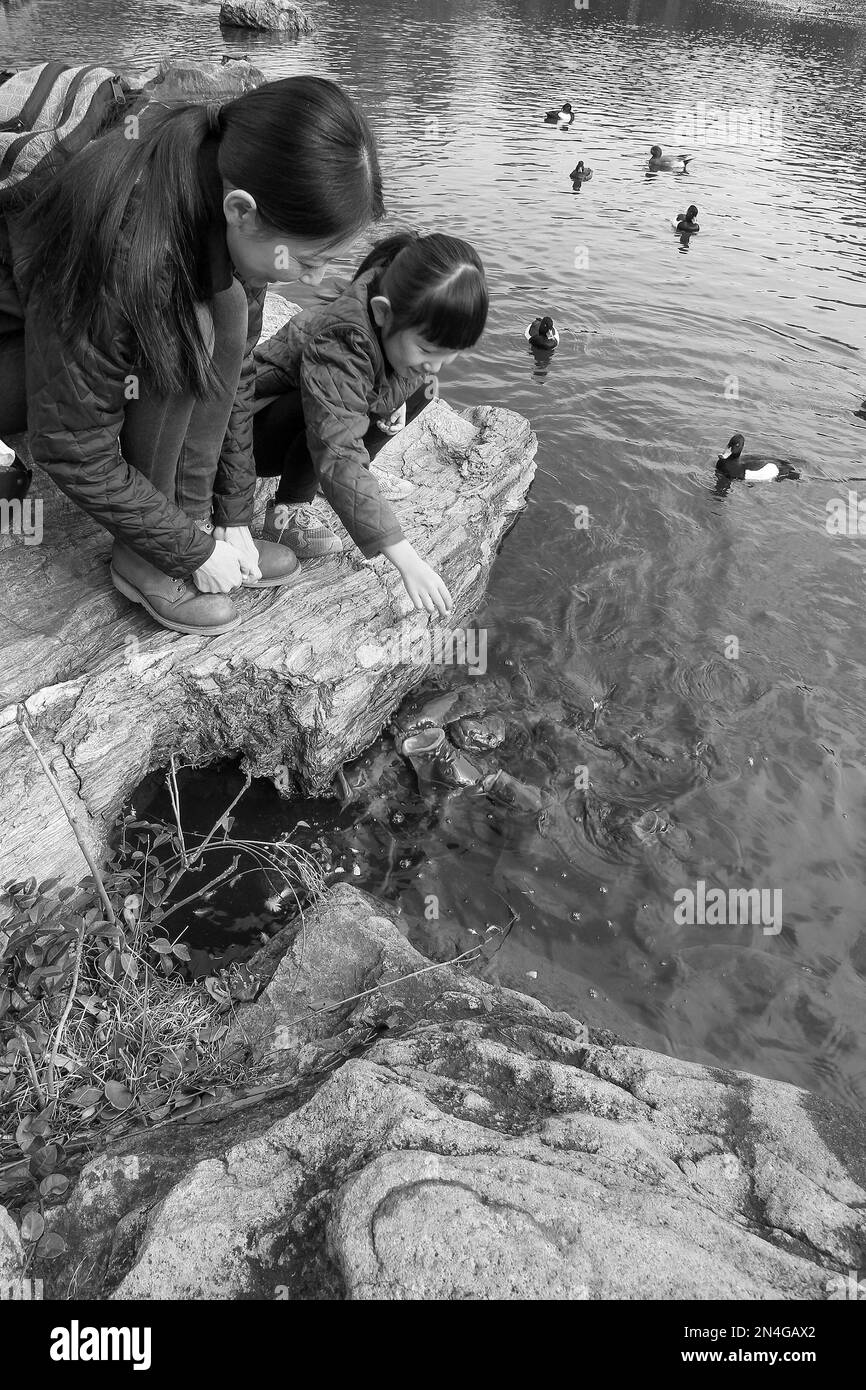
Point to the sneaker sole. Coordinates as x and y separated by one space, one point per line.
302 552
134 595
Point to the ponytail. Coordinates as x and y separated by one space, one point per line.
126 220
385 251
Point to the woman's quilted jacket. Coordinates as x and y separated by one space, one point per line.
76 404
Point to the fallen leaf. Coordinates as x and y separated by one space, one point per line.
50 1246
32 1226
118 1095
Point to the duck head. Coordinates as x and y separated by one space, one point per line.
736 445
545 328
577 171
656 152
691 213
566 106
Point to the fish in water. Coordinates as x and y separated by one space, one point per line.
757 470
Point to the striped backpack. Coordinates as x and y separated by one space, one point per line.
50 111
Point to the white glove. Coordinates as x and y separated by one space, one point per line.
239 538
221 572
393 424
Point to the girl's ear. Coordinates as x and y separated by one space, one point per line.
381 306
238 206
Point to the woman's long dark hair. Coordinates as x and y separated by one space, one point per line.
127 218
436 286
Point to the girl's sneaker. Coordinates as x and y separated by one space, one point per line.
302 529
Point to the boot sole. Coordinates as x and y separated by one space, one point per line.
283 582
134 595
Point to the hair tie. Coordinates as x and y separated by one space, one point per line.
214 111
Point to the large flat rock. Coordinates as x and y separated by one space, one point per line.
306 682
443 1138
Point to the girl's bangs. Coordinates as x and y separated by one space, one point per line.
455 320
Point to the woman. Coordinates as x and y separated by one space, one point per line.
130 303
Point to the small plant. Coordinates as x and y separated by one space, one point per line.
102 1026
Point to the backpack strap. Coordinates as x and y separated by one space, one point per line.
42 86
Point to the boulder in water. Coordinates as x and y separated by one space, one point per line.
264 14
211 81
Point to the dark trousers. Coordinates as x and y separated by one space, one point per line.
280 445
175 441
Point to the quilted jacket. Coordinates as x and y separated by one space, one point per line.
333 355
76 402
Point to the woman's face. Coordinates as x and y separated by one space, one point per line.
261 256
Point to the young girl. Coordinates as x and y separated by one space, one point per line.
415 302
132 292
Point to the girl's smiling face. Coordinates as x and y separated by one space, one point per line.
407 350
261 256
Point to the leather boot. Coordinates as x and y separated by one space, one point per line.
175 603
279 565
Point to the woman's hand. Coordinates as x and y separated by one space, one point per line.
393 424
221 572
423 585
239 538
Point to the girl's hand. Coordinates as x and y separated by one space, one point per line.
423 585
393 424
221 572
239 538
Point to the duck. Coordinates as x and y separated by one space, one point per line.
564 116
686 221
542 333
580 173
761 470
680 162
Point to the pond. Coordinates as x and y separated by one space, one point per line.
699 653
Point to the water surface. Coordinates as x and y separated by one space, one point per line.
610 646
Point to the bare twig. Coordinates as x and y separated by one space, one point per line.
386 984
28 1057
199 851
227 873
55 1046
171 779
23 724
